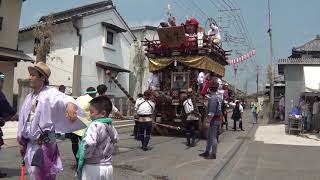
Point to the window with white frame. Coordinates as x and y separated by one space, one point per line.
109 37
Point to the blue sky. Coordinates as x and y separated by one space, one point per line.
294 22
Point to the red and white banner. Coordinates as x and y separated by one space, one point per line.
246 56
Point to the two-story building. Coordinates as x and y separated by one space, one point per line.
87 41
10 11
301 73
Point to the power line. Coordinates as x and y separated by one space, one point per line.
205 14
187 9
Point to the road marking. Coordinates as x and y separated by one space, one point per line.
132 160
188 162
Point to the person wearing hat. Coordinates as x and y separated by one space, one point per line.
44 111
192 119
6 113
213 120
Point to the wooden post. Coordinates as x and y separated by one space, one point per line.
129 108
121 106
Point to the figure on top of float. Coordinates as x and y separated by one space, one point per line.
214 34
192 31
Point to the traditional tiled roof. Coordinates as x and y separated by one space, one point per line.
78 12
302 61
111 66
313 45
146 27
7 54
296 61
67 15
82 11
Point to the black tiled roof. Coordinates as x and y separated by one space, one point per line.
86 10
7 54
83 10
302 61
313 45
111 66
67 15
146 27
113 27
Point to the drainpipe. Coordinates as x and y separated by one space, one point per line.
78 33
77 63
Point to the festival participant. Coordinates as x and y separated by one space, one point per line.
6 113
97 145
102 91
224 110
62 88
145 108
83 102
207 78
193 33
213 120
192 119
200 80
154 82
214 34
237 116
136 118
44 111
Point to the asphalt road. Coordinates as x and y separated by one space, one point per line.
170 158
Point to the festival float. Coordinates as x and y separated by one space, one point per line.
176 58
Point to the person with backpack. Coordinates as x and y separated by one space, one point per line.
144 108
237 116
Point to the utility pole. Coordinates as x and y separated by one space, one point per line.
246 87
235 68
257 79
271 65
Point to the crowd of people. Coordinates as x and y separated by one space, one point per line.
46 111
308 110
86 122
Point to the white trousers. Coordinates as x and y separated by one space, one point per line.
97 172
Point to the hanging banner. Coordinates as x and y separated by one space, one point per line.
246 56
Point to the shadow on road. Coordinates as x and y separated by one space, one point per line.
11 172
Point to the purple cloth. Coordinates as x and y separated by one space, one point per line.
49 115
98 147
51 155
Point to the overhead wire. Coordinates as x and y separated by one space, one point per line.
236 26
